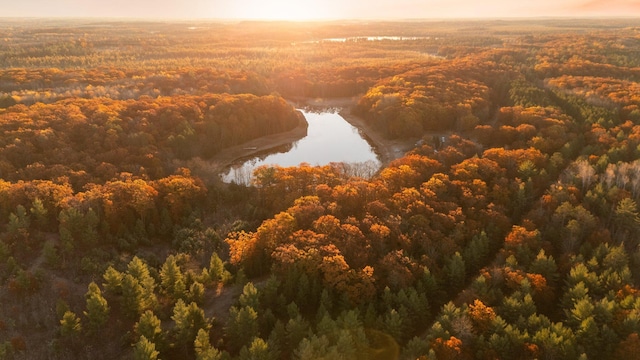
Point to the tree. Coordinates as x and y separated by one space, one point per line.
585 172
216 272
196 292
113 280
125 201
179 193
149 327
49 253
19 222
132 296
545 266
171 278
80 227
97 308
249 296
481 315
40 214
138 288
556 341
629 347
626 219
145 350
203 348
189 319
258 350
475 254
455 271
70 325
394 324
313 348
450 348
242 326
242 247
296 329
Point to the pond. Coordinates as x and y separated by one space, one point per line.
330 139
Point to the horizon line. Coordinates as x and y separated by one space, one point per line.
318 20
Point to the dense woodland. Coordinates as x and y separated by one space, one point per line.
515 238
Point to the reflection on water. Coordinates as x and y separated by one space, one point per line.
329 139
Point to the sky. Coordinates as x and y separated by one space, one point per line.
318 9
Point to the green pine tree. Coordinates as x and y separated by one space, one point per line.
145 350
70 325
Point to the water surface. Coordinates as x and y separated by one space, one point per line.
330 138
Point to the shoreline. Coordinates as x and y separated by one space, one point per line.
386 149
228 156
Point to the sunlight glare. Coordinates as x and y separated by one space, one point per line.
293 10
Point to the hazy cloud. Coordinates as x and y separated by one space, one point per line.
332 8
605 6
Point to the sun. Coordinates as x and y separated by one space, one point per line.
292 10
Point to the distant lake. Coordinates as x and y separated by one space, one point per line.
370 38
330 138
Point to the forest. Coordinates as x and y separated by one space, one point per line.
515 238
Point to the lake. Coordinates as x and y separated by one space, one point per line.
369 38
330 138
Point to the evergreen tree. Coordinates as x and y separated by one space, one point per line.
50 254
455 271
138 269
40 214
258 350
216 272
189 319
78 227
297 329
145 350
313 348
113 280
394 324
132 296
70 325
140 287
545 266
242 326
97 308
19 222
149 327
172 279
475 254
249 296
627 220
196 292
203 348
